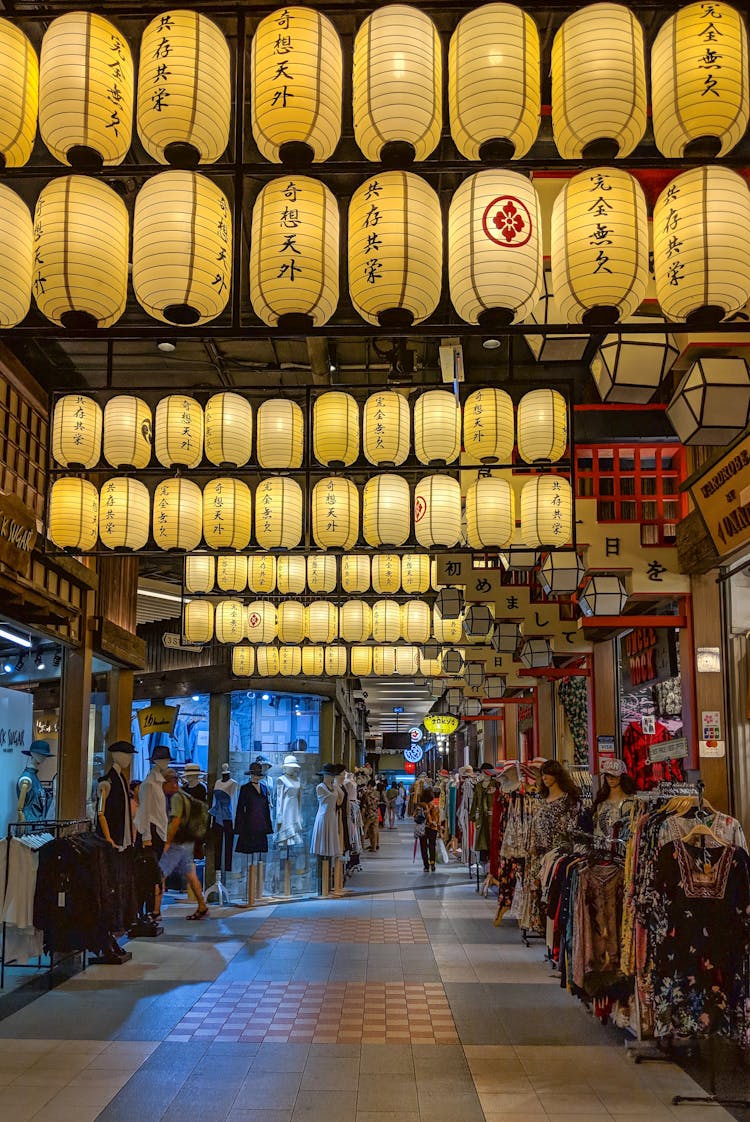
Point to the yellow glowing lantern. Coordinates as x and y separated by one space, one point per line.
416 624
294 280
546 511
699 81
200 572
296 74
73 514
128 432
313 661
446 630
291 575
415 573
77 432
336 659
386 573
384 661
291 617
494 83
16 254
290 661
321 621
227 514
243 662
598 83
261 573
430 667
262 625
198 621
228 426
231 572
490 513
177 518
335 513
178 431
124 514
278 513
542 426
360 662
281 433
230 622
85 91
80 271
355 573
267 662
184 89
385 510
335 429
321 572
355 621
437 511
395 249
385 429
386 621
19 95
182 248
437 427
489 426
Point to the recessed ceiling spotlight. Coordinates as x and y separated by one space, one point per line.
7 667
167 346
491 344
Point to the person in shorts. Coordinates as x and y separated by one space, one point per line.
178 849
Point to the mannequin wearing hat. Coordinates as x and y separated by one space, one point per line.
326 839
191 781
222 818
252 822
614 798
114 816
151 820
289 805
32 801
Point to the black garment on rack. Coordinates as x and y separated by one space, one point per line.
252 822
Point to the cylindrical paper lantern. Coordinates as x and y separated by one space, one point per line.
321 572
446 630
85 91
395 249
416 621
336 661
386 621
200 572
599 246
124 514
198 621
386 573
360 662
355 621
291 617
335 429
699 81
604 594
228 430
430 667
701 258
182 248
494 83
355 573
437 427
296 74
290 661
128 432
184 89
561 573
437 511
321 621
243 662
489 426
231 572
73 514
227 514
77 432
313 661
385 510
16 253
385 429
495 265
281 434
178 431
278 514
19 95
262 625
80 270
294 254
230 621
415 573
542 426
407 661
261 573
384 661
291 574
490 513
546 511
598 83
177 518
267 662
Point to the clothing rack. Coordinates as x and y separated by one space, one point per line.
57 827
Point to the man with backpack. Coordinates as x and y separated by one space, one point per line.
188 823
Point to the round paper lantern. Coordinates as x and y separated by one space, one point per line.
73 514
182 248
227 514
85 91
360 662
294 254
128 432
77 432
231 572
506 638
184 90
395 249
490 513
479 621
701 261
124 514
267 662
198 621
489 426
228 426
437 511
261 623
321 572
385 510
384 661
296 75
177 518
699 81
536 653
281 434
16 252
450 603
313 661
415 573
416 622
243 662
385 429
178 431
230 621
397 85
355 622
542 426
630 368
546 511
386 573
386 621
598 83
355 573
711 405
321 621
261 573
335 429
494 686
200 572
437 427
599 246
278 514
291 616
561 573
80 270
291 575
495 265
335 513
336 661
604 594
19 96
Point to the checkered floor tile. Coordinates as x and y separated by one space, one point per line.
336 1013
344 930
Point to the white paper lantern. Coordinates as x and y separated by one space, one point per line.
479 621
178 431
546 511
128 432
430 667
294 254
386 573
200 572
198 621
386 621
124 514
291 617
228 430
385 429
73 514
474 675
360 662
335 429
416 621
506 638
281 433
518 558
561 573
711 405
453 662
450 603
355 622
267 663
415 573
313 661
336 659
630 368
19 96
184 89
278 514
437 427
395 249
243 662
407 662
321 572
85 91
552 347
384 661
472 707
542 426
446 630
321 621
231 572
77 432
16 250
177 518
598 83
599 246
230 621
490 513
431 650
701 261
489 426
291 575
355 573
80 269
437 511
182 248
296 73
261 573
386 516
335 513
699 81
227 514
454 699
604 594
262 625
536 653
494 686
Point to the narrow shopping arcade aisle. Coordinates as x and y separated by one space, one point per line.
399 1006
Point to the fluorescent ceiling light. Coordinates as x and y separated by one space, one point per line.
159 596
19 640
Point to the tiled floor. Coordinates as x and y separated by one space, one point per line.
395 1007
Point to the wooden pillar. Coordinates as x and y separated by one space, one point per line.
120 690
708 689
545 697
219 708
605 696
512 749
327 731
75 704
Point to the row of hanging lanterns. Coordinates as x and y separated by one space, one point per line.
331 660
85 92
292 575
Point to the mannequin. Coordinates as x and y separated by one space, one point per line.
355 822
192 782
288 815
614 799
32 802
325 841
222 816
151 820
252 825
114 817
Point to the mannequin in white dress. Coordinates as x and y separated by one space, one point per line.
289 805
326 840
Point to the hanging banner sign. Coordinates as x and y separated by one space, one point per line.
157 718
441 723
415 734
722 495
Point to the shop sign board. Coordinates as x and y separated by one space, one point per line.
441 723
668 750
648 654
157 718
414 753
722 495
712 749
17 534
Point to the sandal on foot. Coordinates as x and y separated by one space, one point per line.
200 914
